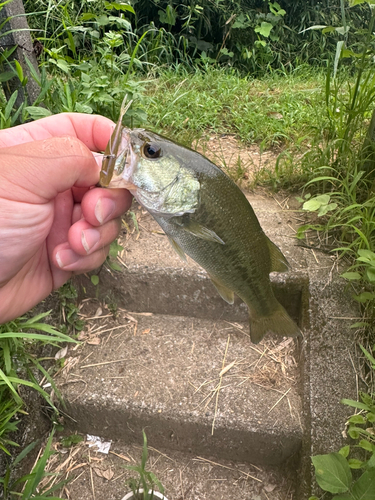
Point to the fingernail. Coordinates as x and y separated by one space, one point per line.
89 239
103 209
66 258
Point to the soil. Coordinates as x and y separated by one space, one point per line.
241 162
94 475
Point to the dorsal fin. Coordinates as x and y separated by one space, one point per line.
279 263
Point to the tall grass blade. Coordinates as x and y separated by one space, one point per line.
339 47
38 471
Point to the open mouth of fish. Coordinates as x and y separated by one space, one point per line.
116 166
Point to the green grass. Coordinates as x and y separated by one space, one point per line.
21 367
279 109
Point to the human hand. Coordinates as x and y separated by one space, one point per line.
52 222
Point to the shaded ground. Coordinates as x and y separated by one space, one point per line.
93 475
242 163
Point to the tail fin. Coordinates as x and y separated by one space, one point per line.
279 323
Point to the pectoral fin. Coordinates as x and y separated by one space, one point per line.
177 248
224 292
198 230
279 263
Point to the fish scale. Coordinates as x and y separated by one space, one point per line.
206 216
248 280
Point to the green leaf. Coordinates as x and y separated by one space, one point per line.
19 70
63 65
365 445
371 417
371 463
24 453
350 53
357 419
8 382
37 112
326 208
351 276
144 451
328 29
354 432
364 297
332 472
345 451
370 273
365 259
83 108
368 400
94 279
113 265
364 488
368 355
6 75
71 440
264 29
10 104
367 254
115 248
354 463
339 48
119 6
315 27
352 3
315 203
87 16
37 336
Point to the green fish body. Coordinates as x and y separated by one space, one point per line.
207 217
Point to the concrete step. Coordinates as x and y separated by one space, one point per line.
168 373
184 476
177 360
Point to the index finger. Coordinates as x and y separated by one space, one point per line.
93 130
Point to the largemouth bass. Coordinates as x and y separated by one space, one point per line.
206 216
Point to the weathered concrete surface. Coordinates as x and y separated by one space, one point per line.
165 377
155 280
184 476
329 370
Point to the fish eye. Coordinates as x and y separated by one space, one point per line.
151 150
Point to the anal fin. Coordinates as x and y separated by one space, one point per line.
279 263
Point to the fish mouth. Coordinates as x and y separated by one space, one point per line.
117 165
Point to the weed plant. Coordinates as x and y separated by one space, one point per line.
341 164
143 486
29 487
20 367
350 472
277 110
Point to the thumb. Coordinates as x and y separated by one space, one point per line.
36 172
